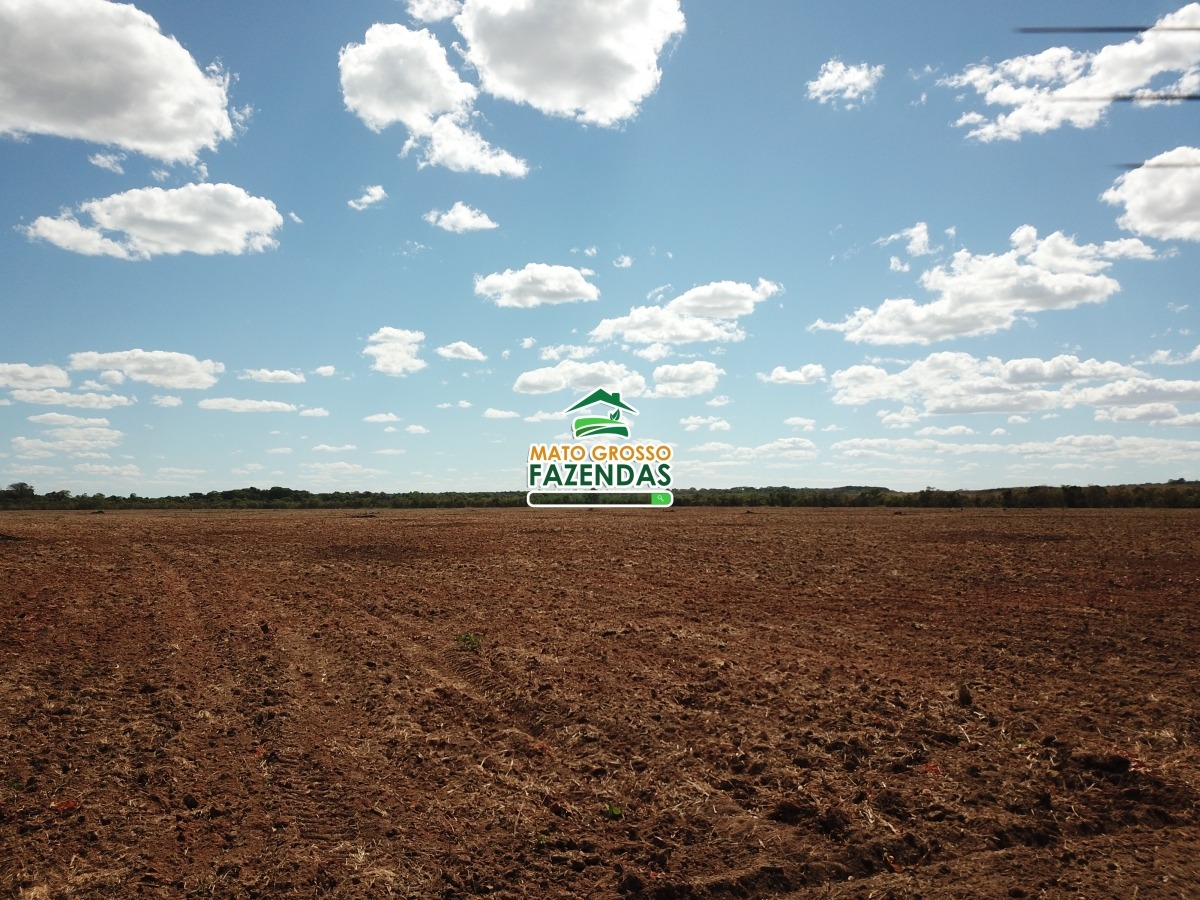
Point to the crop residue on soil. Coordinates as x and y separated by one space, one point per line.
521 703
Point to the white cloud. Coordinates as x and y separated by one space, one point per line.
417 429
23 375
954 382
461 350
806 374
402 76
579 376
329 448
895 264
986 293
341 469
272 376
654 352
109 161
537 284
325 371
282 451
566 351
949 431
51 397
233 404
382 417
851 85
541 416
126 471
594 62
433 10
166 400
103 72
800 422
623 262
491 413
67 434
196 218
460 218
161 368
720 400
686 379
371 195
461 404
1060 86
780 448
1166 357
314 412
702 313
395 351
695 423
916 240
1162 196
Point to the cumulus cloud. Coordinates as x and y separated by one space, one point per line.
538 284
461 350
916 240
1061 86
800 422
166 401
806 374
695 423
23 375
580 376
686 379
460 218
593 62
325 371
401 76
417 429
566 351
395 351
1161 197
491 413
314 412
382 417
161 368
433 10
109 161
103 72
986 293
87 400
852 85
703 313
329 448
146 222
70 435
623 262
781 448
370 196
272 376
233 404
955 382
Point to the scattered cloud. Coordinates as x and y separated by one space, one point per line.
166 400
314 412
109 161
161 368
986 293
417 429
23 375
460 218
272 376
52 397
461 350
566 351
852 85
686 379
1161 197
916 240
147 222
401 76
371 196
461 404
537 284
800 422
703 313
67 435
328 448
325 371
806 374
382 417
104 72
491 413
580 376
721 400
233 404
695 423
1061 86
593 62
623 262
395 351
432 10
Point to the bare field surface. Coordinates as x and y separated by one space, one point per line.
696 703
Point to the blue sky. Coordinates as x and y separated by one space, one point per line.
382 245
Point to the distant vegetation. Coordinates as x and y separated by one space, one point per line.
1177 493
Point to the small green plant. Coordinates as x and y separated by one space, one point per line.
613 811
468 642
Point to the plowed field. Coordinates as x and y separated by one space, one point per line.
568 703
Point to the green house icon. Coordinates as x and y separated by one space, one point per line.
589 426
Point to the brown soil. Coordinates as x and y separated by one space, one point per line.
696 703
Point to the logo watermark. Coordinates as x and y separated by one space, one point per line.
595 470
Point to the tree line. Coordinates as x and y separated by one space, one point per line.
1177 493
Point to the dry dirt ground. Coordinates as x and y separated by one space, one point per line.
567 703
